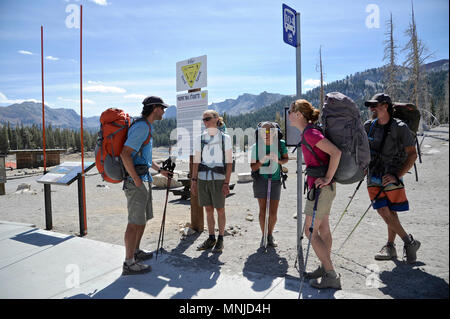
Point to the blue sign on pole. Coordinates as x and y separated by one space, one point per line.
289 26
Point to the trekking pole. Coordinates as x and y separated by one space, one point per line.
311 228
419 152
345 210
266 219
371 203
169 166
301 238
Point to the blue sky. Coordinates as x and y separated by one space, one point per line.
130 48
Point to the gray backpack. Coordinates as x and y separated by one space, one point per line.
342 125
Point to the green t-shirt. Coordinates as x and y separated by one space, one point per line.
283 150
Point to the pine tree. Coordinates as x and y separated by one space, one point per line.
4 141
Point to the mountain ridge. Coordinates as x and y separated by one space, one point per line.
358 86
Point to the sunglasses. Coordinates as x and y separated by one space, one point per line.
206 119
266 131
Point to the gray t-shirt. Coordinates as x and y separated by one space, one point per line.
393 155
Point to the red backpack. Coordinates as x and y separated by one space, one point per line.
114 125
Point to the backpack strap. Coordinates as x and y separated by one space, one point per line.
147 140
377 163
303 141
202 167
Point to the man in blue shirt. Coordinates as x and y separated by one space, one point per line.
137 158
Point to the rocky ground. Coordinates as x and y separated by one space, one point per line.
428 221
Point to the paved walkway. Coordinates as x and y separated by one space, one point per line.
35 263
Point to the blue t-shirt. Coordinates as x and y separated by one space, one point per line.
137 134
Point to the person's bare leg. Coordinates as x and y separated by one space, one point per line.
139 233
273 211
325 233
319 246
210 219
393 222
221 220
130 240
262 213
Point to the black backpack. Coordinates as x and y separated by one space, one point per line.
409 114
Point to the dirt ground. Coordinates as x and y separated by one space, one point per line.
428 221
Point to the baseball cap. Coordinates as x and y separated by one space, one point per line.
379 98
154 100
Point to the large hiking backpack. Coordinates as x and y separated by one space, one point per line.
409 114
114 125
342 125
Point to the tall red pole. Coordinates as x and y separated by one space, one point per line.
43 112
81 119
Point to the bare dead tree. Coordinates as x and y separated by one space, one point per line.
390 55
321 91
417 54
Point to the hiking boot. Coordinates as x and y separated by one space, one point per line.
142 255
388 252
319 272
219 246
410 250
271 241
207 244
135 269
329 280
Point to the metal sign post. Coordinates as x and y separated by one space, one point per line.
299 151
291 36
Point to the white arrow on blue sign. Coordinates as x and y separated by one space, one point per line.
289 26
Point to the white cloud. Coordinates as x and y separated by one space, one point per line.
135 96
101 2
104 89
51 58
312 83
5 100
25 52
85 101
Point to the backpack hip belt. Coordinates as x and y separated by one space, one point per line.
216 169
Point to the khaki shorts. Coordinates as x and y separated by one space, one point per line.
327 195
210 193
139 202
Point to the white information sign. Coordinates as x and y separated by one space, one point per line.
189 125
191 74
192 99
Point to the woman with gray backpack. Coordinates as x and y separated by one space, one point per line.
322 159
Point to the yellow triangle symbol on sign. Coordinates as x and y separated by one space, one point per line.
190 72
203 95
